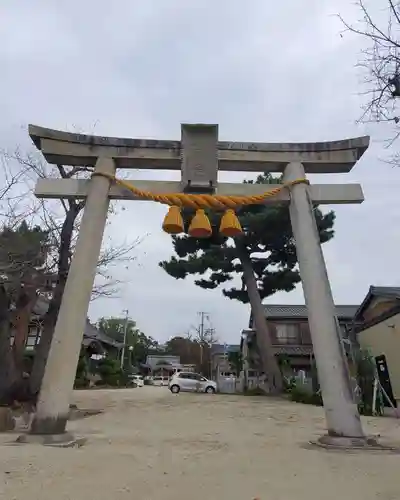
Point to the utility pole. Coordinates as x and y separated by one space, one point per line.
202 315
200 332
211 339
125 332
209 335
206 337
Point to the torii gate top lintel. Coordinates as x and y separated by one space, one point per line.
317 157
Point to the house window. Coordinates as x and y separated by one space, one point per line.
287 333
33 336
31 341
305 333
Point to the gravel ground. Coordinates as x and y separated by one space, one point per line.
152 445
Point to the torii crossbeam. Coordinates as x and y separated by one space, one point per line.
199 156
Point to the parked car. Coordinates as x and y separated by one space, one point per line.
188 381
148 380
138 380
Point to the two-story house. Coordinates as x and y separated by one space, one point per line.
290 333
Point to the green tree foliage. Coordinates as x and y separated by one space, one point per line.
235 360
23 258
110 372
138 345
267 238
366 373
190 352
82 369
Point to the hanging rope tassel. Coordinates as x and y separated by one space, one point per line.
200 226
173 222
230 225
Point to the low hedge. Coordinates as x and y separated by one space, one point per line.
300 395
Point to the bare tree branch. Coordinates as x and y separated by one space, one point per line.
18 203
380 64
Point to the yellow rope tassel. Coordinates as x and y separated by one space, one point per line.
173 222
200 226
230 225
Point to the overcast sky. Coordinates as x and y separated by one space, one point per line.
264 71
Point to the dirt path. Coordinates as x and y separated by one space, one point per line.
152 445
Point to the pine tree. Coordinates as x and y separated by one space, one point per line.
23 274
264 258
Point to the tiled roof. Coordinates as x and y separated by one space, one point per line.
300 311
390 292
91 332
387 291
157 361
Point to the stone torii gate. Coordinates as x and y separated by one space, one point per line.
199 155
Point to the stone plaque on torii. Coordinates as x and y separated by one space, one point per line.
199 155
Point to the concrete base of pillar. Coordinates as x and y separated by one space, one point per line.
339 443
49 425
65 440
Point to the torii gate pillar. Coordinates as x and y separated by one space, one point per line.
54 399
342 415
107 153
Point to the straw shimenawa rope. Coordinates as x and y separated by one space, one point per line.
196 201
200 226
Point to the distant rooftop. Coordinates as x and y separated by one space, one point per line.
93 333
157 360
222 348
300 311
